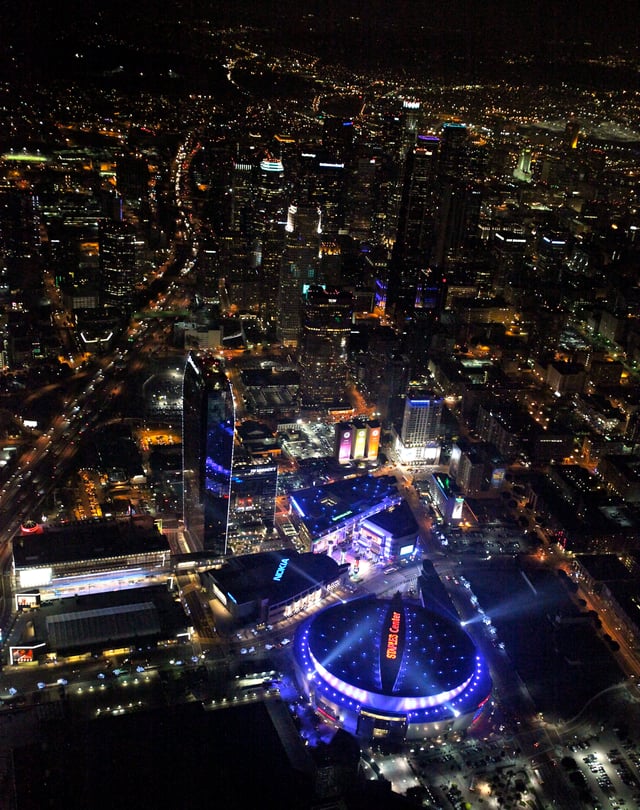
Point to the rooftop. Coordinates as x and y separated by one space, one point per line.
397 521
322 508
603 567
97 620
395 656
437 656
274 575
87 540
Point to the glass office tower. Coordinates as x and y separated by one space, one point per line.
207 441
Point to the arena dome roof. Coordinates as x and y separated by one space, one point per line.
394 656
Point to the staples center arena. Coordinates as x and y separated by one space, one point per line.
391 668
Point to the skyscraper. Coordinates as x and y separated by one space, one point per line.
418 438
207 441
410 120
119 251
254 487
267 228
458 218
241 192
299 267
326 327
416 228
454 158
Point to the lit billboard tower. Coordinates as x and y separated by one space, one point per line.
373 440
344 440
357 440
207 445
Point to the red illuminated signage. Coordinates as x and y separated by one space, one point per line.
24 655
392 637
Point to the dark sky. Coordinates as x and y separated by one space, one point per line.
351 29
524 21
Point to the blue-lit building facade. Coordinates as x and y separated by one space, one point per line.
389 536
327 516
207 441
390 668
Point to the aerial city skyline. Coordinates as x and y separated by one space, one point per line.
319 406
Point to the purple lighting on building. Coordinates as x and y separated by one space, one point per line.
433 673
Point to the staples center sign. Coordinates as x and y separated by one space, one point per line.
392 636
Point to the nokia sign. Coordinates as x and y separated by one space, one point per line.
284 562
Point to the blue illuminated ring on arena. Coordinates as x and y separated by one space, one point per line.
384 702
441 676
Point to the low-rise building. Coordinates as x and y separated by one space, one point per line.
273 585
89 556
390 535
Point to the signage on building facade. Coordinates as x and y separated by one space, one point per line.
282 565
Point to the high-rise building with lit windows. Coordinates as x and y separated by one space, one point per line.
326 327
298 268
254 487
416 228
410 120
120 249
207 440
453 162
418 437
422 417
269 217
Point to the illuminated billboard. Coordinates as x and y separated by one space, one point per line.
34 577
344 432
393 633
373 442
360 442
26 601
26 654
427 454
